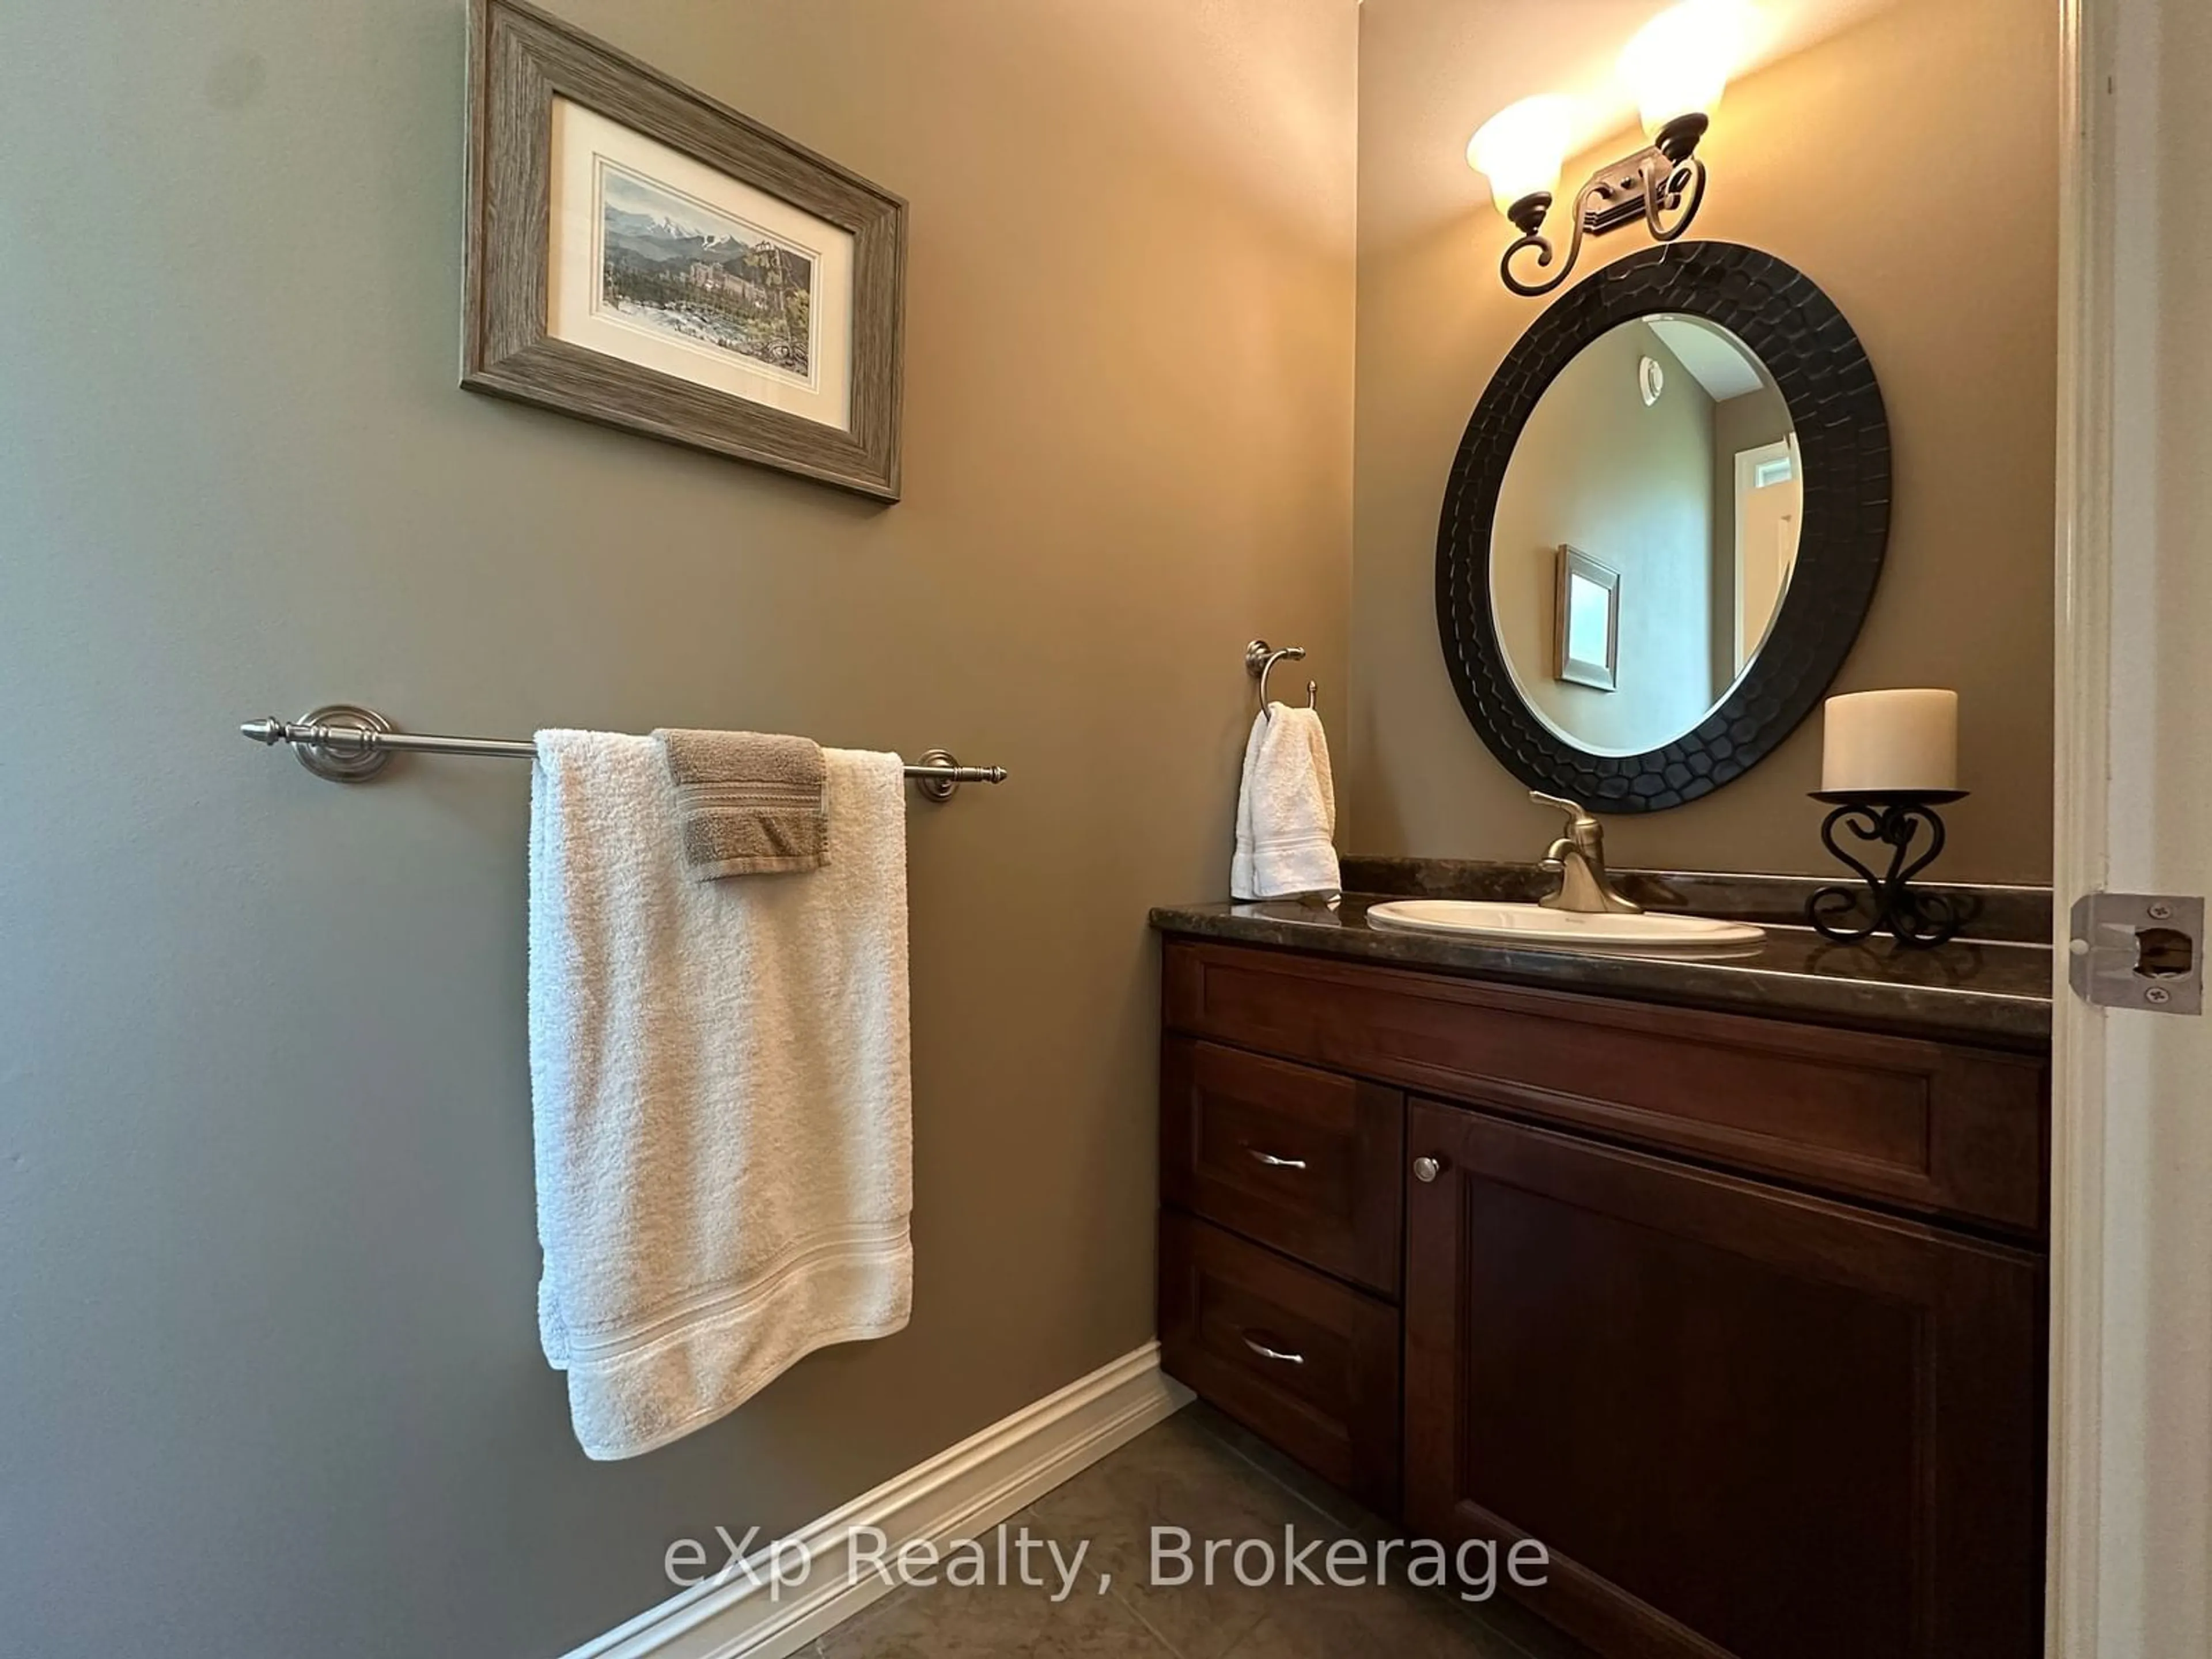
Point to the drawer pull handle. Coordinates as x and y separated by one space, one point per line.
1266 1353
1275 1163
1427 1168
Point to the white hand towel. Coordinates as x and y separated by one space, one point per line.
1286 810
719 1089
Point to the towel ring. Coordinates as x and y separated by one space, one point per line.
1260 661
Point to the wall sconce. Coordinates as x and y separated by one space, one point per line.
1677 66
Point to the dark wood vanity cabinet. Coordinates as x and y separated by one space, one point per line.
1744 1319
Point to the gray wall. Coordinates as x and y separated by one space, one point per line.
1949 277
269 1375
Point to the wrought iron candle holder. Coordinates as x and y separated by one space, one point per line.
1893 818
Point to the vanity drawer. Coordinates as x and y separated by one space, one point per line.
1305 1161
1308 1364
1936 1128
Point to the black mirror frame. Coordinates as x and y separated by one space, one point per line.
1843 437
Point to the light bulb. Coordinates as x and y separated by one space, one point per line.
1522 148
1679 62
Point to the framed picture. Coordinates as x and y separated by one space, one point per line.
644 257
1588 620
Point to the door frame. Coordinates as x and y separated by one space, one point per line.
2080 854
1745 467
2131 1433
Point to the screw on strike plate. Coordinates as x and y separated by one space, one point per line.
2157 995
2161 911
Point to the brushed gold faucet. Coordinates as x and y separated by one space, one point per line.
1578 857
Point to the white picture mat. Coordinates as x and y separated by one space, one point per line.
585 144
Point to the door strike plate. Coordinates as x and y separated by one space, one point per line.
2138 951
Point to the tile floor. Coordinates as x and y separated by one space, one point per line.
1200 1472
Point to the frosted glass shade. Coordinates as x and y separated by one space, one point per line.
1522 148
1679 63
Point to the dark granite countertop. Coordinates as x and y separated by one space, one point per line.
1979 991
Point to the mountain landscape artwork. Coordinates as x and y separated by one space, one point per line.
655 262
671 262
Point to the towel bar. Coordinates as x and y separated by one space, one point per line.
346 743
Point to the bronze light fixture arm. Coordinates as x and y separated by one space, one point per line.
1664 184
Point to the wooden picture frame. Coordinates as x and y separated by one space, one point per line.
752 304
1589 651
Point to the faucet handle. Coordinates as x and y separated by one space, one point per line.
1578 817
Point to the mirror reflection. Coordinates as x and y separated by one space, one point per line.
1647 527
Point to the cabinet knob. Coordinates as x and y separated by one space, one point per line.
1427 1168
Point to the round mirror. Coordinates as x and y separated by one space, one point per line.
1646 528
1663 527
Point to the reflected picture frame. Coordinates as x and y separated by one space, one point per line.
641 256
1588 616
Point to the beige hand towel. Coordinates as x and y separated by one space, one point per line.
750 804
720 1093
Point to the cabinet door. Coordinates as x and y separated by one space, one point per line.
1743 1422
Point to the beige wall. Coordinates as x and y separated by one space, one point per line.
1905 165
266 1248
1631 486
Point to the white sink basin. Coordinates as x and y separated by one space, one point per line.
1532 924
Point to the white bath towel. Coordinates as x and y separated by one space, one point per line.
1286 810
719 1090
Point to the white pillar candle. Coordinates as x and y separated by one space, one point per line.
1891 740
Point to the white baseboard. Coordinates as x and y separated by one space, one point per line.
966 1489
